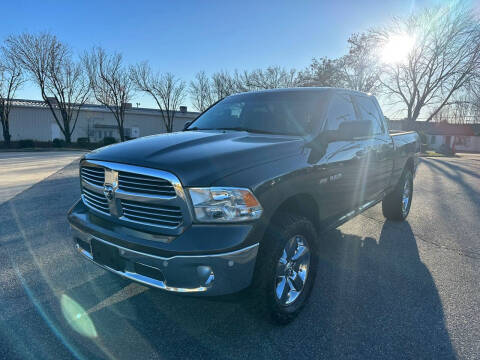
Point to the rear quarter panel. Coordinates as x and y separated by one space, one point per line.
406 146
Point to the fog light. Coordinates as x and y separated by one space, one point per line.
206 274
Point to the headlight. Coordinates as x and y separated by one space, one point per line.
218 204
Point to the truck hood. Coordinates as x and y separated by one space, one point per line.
198 158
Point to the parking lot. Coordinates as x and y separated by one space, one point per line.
384 290
21 170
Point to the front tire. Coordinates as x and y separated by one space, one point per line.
287 265
396 205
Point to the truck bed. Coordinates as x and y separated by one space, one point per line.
400 132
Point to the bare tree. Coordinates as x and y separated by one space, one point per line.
464 107
356 70
359 68
273 77
223 85
201 92
472 97
110 82
238 82
322 72
11 78
61 81
68 85
442 60
167 90
205 91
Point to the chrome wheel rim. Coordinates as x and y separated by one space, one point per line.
292 270
406 194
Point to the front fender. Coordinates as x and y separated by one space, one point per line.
274 183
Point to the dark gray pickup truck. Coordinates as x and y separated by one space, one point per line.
242 197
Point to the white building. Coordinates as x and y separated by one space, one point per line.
31 119
461 137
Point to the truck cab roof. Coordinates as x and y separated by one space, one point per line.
300 90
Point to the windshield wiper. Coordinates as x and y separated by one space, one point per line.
235 128
254 131
239 128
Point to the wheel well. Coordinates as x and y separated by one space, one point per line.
410 165
301 204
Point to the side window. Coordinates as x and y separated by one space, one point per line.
341 109
368 111
383 122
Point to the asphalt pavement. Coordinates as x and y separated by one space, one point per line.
384 290
20 170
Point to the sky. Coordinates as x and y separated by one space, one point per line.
184 37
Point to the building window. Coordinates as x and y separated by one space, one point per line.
432 139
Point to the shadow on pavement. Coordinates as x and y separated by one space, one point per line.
376 298
373 298
455 173
461 167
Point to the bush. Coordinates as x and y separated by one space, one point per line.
108 140
27 143
43 144
83 142
58 143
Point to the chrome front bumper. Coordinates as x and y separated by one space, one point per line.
214 274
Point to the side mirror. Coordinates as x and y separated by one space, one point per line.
187 124
350 130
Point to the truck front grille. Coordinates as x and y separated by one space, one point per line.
96 200
136 195
93 175
144 184
156 214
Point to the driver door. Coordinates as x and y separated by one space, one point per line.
345 160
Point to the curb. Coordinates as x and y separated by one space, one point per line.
42 150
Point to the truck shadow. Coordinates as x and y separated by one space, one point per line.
373 298
376 299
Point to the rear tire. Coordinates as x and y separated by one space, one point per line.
396 205
286 268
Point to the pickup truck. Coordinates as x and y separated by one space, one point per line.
242 197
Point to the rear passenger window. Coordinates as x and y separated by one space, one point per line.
369 111
341 109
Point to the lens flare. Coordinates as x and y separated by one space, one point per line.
77 317
397 48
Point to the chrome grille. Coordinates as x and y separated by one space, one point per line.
137 196
144 184
155 214
93 175
96 200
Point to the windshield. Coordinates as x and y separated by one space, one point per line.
290 113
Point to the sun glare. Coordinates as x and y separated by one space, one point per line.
397 48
